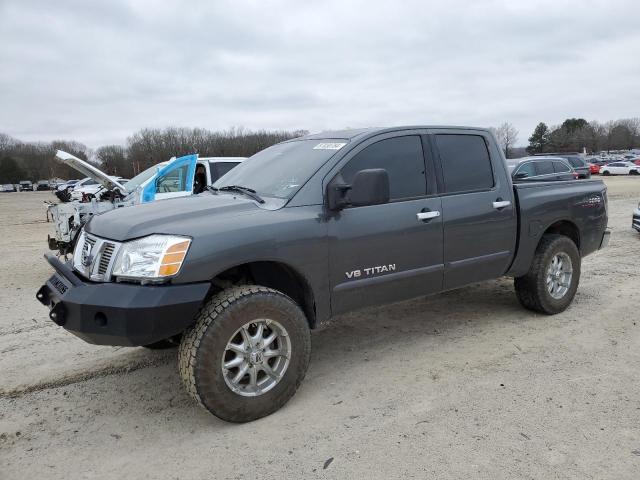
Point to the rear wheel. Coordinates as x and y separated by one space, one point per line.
247 353
606 172
552 280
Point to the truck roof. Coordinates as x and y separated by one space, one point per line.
350 134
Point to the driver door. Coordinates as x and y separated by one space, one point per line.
173 180
393 251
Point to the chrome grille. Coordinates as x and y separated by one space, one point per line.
94 257
105 257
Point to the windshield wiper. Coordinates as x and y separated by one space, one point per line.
249 192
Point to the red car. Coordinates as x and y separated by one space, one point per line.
594 169
636 161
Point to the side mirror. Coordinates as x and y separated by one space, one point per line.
369 187
522 175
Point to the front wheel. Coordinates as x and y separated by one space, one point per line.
606 172
552 280
247 353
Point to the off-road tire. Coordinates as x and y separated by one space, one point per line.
200 352
531 288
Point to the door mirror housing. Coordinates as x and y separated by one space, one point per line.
522 175
369 187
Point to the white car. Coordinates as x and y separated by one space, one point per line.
87 188
620 168
175 178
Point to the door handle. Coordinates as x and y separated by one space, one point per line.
424 216
499 204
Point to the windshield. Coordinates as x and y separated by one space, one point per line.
279 171
142 177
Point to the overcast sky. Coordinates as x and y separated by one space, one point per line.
98 71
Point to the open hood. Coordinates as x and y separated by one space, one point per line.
89 170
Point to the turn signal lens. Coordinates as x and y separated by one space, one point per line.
173 258
171 269
179 247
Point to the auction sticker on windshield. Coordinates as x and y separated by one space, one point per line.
329 146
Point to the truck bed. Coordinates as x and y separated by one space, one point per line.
572 206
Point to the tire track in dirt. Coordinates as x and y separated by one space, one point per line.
83 376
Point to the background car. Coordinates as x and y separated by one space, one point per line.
620 168
574 159
81 186
25 186
63 191
542 169
594 168
87 190
8 187
42 185
171 179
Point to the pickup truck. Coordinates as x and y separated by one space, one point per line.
312 228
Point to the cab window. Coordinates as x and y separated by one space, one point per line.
218 169
401 157
466 165
173 181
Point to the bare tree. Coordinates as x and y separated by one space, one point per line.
632 126
113 160
7 142
507 136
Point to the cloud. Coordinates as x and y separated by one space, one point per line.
98 71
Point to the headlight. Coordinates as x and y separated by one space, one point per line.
155 257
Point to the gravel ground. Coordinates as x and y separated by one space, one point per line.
464 384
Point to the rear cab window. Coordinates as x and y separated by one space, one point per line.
466 164
219 169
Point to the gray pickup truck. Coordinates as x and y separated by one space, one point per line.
311 228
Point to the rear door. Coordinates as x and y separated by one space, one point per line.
478 213
385 253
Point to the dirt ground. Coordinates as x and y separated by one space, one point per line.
465 384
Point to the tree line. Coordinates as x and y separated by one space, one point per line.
576 134
572 135
35 160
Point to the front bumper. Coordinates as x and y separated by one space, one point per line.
119 313
606 236
635 223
